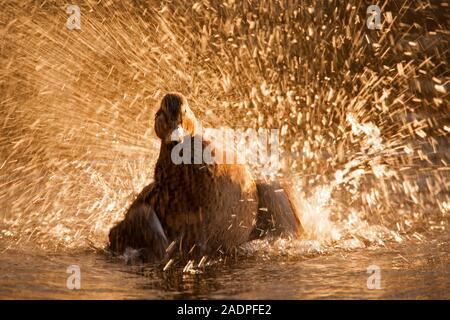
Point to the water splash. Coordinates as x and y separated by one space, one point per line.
363 115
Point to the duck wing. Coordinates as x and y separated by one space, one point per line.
141 229
277 215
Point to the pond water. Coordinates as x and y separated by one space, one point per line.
410 270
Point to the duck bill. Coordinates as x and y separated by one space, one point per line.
178 135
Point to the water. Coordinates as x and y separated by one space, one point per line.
363 116
414 270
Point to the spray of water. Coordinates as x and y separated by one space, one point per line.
363 114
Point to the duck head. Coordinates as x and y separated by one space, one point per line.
174 120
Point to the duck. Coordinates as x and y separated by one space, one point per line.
199 208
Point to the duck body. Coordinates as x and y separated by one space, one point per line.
204 207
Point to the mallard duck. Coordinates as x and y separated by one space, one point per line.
199 208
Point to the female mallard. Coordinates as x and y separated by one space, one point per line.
199 207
